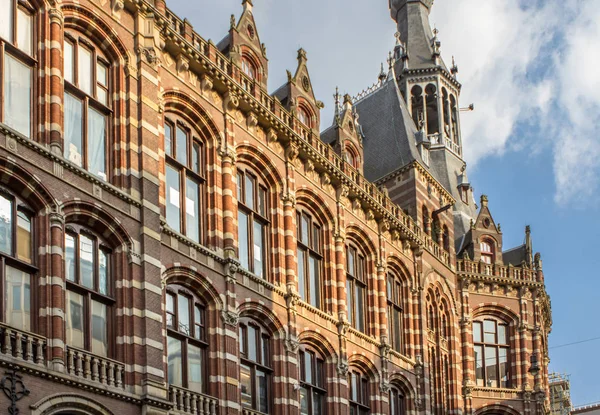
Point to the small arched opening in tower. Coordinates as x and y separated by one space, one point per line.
433 126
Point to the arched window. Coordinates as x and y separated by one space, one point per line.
352 158
446 238
248 68
433 126
87 105
417 105
310 259
358 393
17 63
487 251
492 350
16 262
186 339
397 402
185 178
252 222
304 117
89 270
312 383
394 302
356 288
425 220
256 366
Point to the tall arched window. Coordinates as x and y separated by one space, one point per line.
397 402
185 178
87 107
312 383
248 68
89 270
486 248
255 367
17 63
186 339
356 288
433 126
358 393
252 222
310 259
352 157
492 351
394 302
16 261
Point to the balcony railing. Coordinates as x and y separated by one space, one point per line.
22 345
250 412
190 402
94 368
502 271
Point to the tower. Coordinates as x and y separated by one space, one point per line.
431 92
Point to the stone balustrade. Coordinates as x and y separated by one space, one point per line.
22 345
194 403
94 368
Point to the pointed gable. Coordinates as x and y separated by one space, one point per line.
297 95
483 242
242 44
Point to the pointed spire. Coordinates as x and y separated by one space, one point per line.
302 56
336 97
247 5
382 74
454 69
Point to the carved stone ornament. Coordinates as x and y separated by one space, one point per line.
252 120
384 386
117 6
230 318
183 63
56 16
288 198
231 269
291 152
342 368
292 345
271 135
149 54
325 179
309 166
231 102
206 83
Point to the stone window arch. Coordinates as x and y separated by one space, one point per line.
491 346
359 393
310 256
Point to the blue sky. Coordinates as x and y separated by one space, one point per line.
532 143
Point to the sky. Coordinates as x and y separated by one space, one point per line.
532 144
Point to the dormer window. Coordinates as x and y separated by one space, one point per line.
304 117
248 68
487 252
352 158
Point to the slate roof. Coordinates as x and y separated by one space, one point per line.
389 130
515 256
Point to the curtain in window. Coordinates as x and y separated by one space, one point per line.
96 149
73 145
17 95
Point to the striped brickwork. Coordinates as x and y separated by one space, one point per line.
161 67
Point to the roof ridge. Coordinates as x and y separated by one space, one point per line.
368 91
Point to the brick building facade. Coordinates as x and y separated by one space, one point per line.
175 239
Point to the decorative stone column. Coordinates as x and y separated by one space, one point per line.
56 18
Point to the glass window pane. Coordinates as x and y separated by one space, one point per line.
319 374
196 158
258 236
68 63
192 210
305 226
103 268
316 245
17 95
301 274
491 367
477 332
262 201
23 237
349 301
6 19
317 403
246 386
315 285
243 240
355 387
74 324
173 199
73 114
175 362
502 339
262 396
199 322
240 184
503 360
86 261
96 149
308 371
84 66
249 188
479 365
18 299
24 28
181 146
359 312
170 310
6 225
304 408
397 330
168 140
266 357
489 331
99 329
183 314
102 74
252 339
351 255
70 257
195 368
